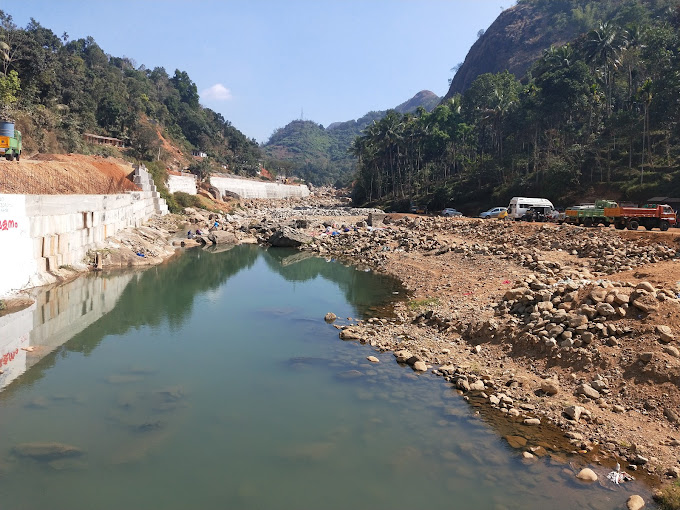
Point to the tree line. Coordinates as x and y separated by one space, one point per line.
56 89
598 113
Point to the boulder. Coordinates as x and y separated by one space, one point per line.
330 317
516 441
516 293
598 294
375 219
587 475
587 337
350 334
671 351
288 237
665 334
577 320
550 386
222 237
588 391
403 355
646 286
420 366
671 415
605 309
545 306
478 385
620 298
635 502
646 303
574 412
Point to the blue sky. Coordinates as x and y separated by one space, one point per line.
263 63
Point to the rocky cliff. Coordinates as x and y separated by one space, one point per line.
514 41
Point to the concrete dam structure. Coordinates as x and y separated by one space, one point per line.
245 188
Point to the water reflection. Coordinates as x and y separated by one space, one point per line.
57 315
60 313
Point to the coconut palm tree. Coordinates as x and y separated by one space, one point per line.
603 47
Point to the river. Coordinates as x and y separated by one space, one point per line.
212 381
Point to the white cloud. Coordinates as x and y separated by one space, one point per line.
217 92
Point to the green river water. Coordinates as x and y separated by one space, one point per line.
213 382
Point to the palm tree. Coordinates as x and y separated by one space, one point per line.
603 48
645 95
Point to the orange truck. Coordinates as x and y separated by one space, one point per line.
650 216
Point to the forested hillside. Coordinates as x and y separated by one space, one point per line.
321 155
56 89
596 116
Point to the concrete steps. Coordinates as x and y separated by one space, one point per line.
144 180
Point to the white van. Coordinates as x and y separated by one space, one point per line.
520 205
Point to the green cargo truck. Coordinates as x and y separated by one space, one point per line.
10 141
591 214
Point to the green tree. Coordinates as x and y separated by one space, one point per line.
9 88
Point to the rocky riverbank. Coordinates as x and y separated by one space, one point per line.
549 324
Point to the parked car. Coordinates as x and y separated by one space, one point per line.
493 213
451 212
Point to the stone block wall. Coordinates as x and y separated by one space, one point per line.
44 232
186 183
254 189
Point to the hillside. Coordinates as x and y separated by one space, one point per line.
57 90
55 174
520 34
320 155
596 117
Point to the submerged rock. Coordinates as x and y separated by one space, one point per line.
46 451
635 502
587 475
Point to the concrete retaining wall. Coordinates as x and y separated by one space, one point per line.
185 183
39 233
255 189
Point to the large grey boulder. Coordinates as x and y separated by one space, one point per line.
222 237
288 237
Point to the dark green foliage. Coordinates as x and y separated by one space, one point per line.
202 169
83 89
187 200
599 113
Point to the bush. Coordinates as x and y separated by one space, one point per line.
669 498
187 200
159 172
